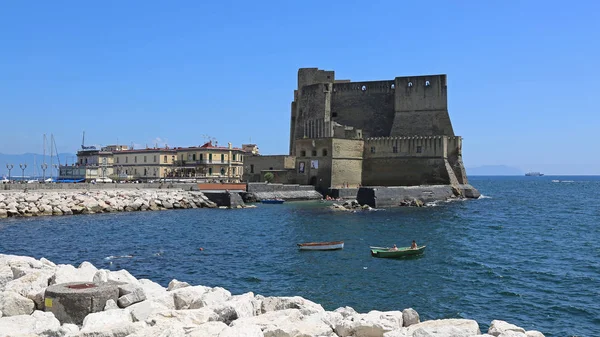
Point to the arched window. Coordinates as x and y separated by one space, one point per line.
324 152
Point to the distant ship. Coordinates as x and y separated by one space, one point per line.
534 174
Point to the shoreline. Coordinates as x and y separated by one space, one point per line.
32 299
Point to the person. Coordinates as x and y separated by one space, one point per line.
394 248
414 245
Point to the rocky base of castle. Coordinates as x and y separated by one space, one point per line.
40 203
141 307
285 195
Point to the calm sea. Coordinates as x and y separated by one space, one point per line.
527 252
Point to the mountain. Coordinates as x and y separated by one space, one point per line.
494 170
29 159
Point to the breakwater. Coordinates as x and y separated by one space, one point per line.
68 202
37 298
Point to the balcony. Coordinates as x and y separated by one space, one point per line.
205 162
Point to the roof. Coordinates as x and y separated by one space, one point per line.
209 145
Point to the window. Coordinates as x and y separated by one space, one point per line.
251 168
117 160
210 170
135 171
372 149
201 157
234 157
395 149
324 152
135 159
194 157
126 159
222 171
334 114
222 157
314 153
145 172
302 153
427 83
144 162
165 159
419 149
155 158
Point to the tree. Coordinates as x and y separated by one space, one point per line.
269 177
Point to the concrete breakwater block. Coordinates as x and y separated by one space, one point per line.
71 302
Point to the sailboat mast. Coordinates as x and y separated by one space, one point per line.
51 157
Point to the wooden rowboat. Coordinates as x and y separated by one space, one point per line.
333 245
401 252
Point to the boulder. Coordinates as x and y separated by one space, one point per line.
13 304
409 317
497 327
36 324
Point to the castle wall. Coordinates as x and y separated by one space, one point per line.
421 106
313 162
347 162
253 165
371 109
455 159
404 171
420 147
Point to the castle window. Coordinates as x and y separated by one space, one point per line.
419 149
395 149
427 83
363 88
372 149
393 86
409 84
302 153
326 87
251 168
270 168
314 153
324 152
334 114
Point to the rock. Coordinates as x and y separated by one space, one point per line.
184 297
122 275
130 294
296 302
184 317
213 297
533 333
439 328
66 273
36 324
174 284
3 213
110 323
13 304
152 289
497 327
47 262
110 305
410 317
142 310
6 275
214 329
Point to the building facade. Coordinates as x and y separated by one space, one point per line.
120 163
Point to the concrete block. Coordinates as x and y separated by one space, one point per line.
71 302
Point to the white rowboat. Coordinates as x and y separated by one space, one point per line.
333 245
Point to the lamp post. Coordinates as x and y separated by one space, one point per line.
9 167
44 167
23 167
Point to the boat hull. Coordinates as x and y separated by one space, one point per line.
334 245
401 252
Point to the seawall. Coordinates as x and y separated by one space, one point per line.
289 192
61 202
395 196
41 298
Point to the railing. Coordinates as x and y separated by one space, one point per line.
205 162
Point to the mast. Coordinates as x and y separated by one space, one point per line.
51 157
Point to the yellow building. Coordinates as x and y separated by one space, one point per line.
143 164
210 161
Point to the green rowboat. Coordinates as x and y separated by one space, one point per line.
401 252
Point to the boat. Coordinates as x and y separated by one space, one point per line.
333 245
401 252
272 201
534 174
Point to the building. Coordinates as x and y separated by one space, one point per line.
374 133
120 163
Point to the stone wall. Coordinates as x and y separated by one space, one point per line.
260 191
395 196
404 172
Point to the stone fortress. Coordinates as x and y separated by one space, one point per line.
346 134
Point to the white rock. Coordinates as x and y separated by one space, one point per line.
130 294
497 327
213 297
246 330
211 329
31 285
534 333
47 262
183 297
176 330
410 316
110 305
28 325
152 289
122 275
346 311
295 302
13 304
182 317
6 275
439 328
141 311
67 273
70 329
174 284
512 333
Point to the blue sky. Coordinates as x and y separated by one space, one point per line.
521 74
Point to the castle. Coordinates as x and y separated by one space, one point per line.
375 133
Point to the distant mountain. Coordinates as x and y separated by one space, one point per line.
29 159
494 170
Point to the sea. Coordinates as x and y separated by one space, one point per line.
526 252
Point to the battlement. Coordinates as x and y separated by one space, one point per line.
365 87
416 146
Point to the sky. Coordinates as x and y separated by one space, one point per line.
521 74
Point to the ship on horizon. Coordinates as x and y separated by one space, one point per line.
534 174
